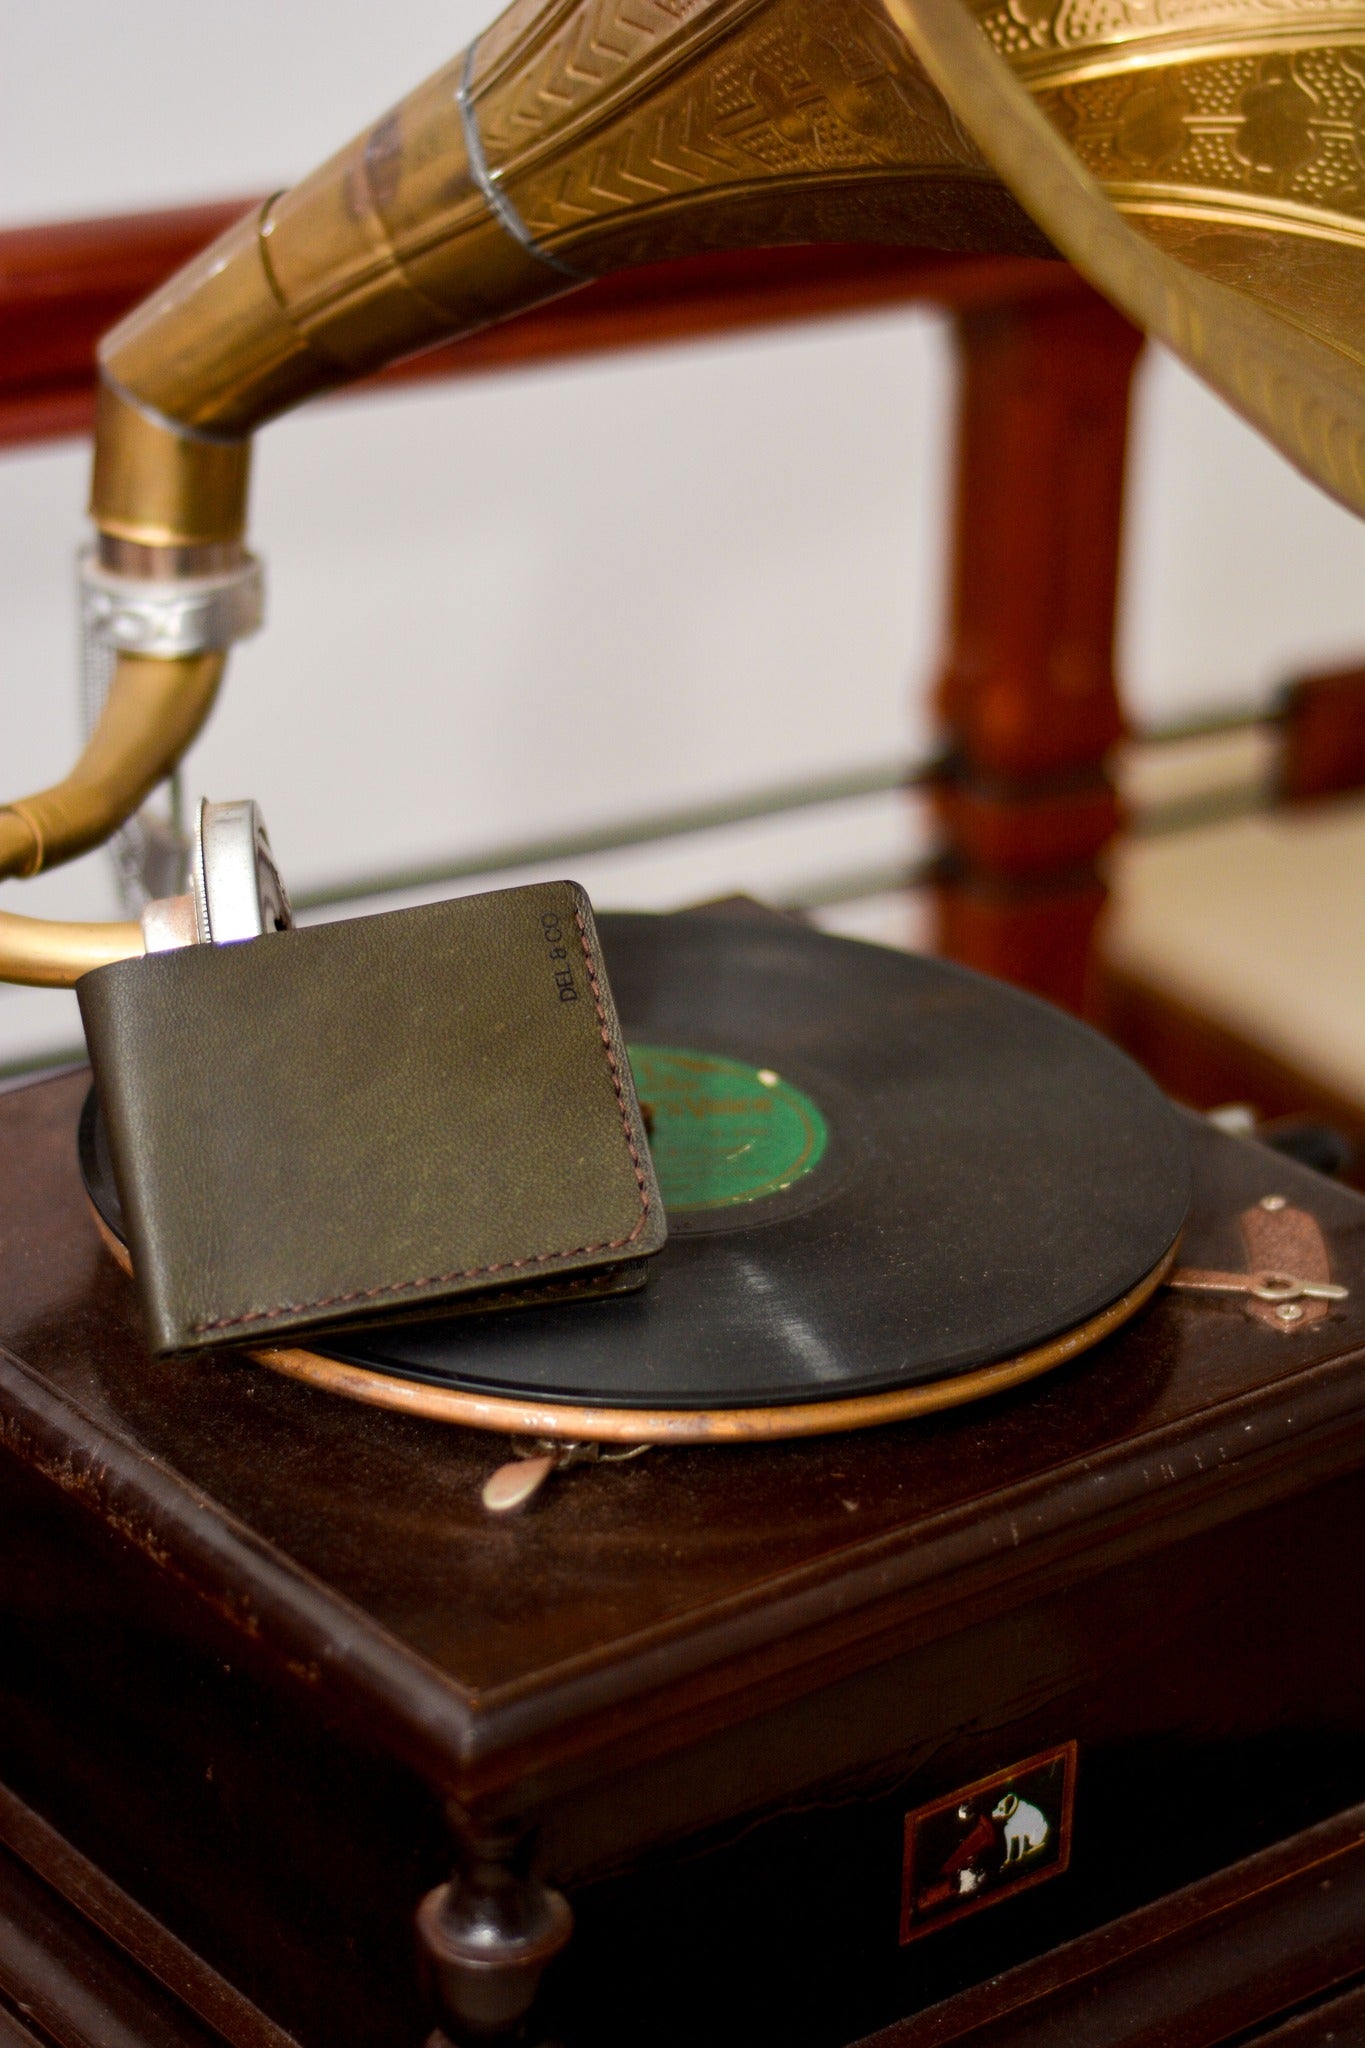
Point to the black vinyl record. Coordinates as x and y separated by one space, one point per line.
880 1170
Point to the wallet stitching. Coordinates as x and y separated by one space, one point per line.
614 1244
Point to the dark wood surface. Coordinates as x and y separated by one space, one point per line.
1324 736
255 1640
1205 1064
1333 2023
356 1539
70 1938
77 1987
1205 1965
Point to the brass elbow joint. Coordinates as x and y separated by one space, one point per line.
161 486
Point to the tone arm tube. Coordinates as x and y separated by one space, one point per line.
168 587
154 710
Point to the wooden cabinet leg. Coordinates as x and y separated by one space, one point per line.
486 1939
1028 697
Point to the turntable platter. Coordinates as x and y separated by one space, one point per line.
891 1183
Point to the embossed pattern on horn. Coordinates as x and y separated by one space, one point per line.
1202 160
1231 135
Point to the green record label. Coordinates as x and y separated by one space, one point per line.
721 1132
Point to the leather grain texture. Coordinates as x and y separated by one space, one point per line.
330 1125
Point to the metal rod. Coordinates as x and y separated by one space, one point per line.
628 833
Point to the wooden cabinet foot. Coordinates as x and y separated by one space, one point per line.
486 1939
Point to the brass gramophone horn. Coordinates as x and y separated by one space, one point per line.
1202 161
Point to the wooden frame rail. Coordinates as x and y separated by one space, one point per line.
1028 703
62 286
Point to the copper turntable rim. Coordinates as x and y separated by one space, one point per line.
561 1422
706 1425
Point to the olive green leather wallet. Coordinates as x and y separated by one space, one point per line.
420 1113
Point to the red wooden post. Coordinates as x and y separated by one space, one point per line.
1028 696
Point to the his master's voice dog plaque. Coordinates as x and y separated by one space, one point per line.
992 1839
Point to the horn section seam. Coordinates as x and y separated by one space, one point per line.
499 202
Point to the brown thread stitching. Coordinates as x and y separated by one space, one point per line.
615 1073
615 1244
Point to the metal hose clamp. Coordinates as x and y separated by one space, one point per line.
174 616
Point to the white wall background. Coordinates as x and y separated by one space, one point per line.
511 607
